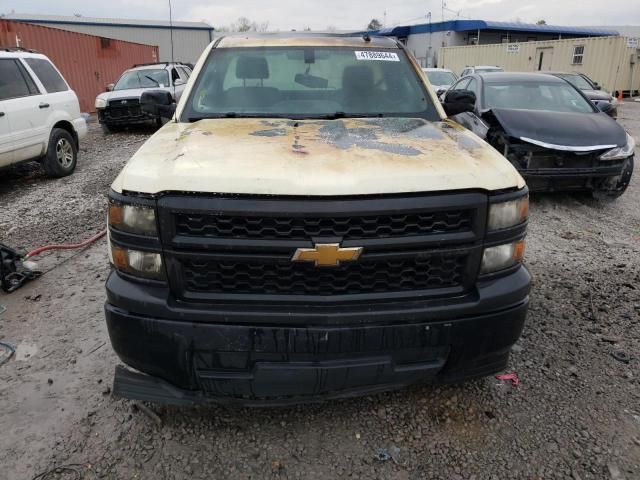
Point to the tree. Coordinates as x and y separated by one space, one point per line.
542 21
374 24
243 24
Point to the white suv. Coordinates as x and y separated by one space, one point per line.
39 113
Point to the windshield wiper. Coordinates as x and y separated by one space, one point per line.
337 115
328 116
153 80
195 118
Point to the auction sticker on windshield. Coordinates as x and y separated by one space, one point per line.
380 56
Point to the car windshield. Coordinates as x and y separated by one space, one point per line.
441 78
550 96
577 82
144 78
308 82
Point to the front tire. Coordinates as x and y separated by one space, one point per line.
611 189
62 154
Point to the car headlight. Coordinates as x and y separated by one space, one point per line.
137 219
620 152
137 263
502 256
101 103
508 214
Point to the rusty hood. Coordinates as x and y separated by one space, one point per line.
315 157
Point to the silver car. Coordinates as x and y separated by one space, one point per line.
119 106
440 78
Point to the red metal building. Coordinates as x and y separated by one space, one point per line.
87 62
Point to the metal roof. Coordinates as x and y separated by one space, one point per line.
474 25
103 22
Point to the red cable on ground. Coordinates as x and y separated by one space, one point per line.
73 246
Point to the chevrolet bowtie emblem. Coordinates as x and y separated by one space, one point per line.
327 254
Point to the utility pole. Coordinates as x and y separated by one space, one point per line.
385 19
444 5
427 61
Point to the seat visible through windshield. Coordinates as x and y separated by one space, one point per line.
299 81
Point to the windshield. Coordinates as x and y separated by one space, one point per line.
577 81
441 78
308 82
145 78
551 96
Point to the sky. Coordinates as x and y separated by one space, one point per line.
343 14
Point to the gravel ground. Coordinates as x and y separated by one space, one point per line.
576 414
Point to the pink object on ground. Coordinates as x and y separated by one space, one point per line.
513 377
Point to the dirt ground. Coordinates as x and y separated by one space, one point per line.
576 414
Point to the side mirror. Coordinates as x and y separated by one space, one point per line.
110 87
459 101
604 107
596 86
157 103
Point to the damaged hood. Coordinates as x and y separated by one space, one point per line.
315 157
564 131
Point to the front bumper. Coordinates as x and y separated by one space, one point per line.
568 179
80 127
279 355
133 117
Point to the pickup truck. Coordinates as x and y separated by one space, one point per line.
309 225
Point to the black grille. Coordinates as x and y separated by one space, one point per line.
287 278
305 228
123 108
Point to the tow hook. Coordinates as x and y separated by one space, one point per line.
14 272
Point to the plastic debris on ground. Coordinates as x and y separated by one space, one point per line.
621 356
392 453
509 377
6 352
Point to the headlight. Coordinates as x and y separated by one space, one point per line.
502 256
620 152
136 219
137 263
101 103
508 214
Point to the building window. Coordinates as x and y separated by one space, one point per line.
578 54
473 40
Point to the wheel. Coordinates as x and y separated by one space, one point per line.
612 188
62 154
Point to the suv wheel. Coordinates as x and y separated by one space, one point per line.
62 154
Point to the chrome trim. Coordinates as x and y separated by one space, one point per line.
568 148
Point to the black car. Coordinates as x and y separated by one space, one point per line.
602 99
548 129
